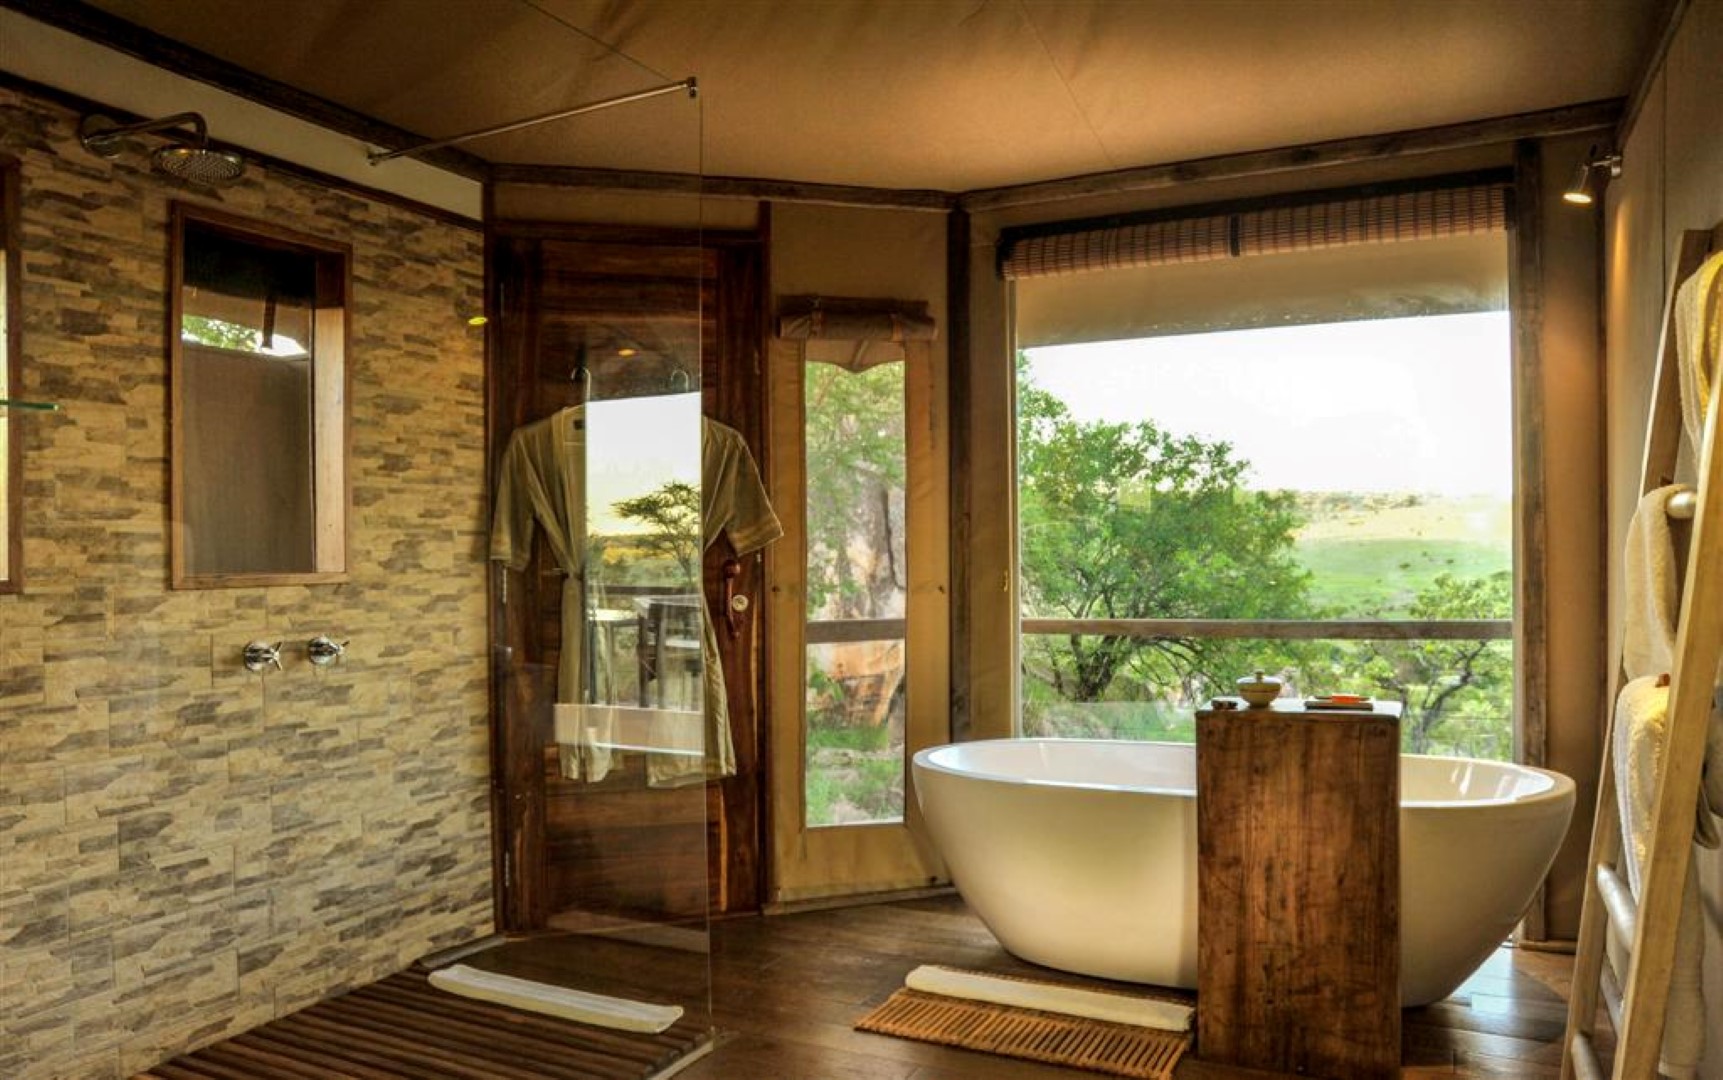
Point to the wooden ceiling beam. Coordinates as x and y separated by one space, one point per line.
724 187
1590 116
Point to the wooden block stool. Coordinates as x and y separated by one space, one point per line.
1298 871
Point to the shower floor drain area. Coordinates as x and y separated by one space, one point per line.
403 1027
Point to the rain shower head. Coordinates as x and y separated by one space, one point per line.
188 156
199 164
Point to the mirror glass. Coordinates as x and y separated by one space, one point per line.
260 403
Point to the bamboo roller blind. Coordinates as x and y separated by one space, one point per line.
1418 214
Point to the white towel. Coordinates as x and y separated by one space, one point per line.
1641 728
1640 734
1699 352
1699 356
1699 342
1650 602
1714 764
1116 1008
1641 724
611 1012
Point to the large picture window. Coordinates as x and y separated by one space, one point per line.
1301 463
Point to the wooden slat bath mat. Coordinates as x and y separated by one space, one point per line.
1054 1038
402 1028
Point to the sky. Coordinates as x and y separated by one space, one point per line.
637 445
1398 405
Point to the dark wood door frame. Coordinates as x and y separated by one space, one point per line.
733 392
730 268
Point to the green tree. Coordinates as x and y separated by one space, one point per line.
671 515
1122 521
221 334
1456 696
855 484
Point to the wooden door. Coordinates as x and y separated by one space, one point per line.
572 306
860 674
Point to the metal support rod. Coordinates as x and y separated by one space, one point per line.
689 84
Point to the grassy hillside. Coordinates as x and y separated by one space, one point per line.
1371 554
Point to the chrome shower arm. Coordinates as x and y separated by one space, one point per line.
100 134
187 157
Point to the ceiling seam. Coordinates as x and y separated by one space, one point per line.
594 38
1100 143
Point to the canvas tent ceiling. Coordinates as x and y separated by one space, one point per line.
953 95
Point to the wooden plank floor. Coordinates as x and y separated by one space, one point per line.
402 1028
786 990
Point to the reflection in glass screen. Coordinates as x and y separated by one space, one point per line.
637 447
643 554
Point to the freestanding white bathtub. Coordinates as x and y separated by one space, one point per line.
1081 854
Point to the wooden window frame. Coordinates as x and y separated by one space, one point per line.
331 395
1528 629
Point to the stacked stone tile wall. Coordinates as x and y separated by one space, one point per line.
188 849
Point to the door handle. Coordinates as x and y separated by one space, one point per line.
735 604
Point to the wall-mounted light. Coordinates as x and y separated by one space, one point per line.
1585 187
476 320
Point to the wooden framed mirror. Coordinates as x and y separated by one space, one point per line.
259 387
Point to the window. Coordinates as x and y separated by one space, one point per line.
1301 463
260 403
857 584
858 658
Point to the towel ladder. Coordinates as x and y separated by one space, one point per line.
1636 1004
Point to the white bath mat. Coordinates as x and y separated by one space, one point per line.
597 1009
1033 1034
1049 997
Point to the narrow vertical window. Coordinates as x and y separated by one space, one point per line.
857 586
